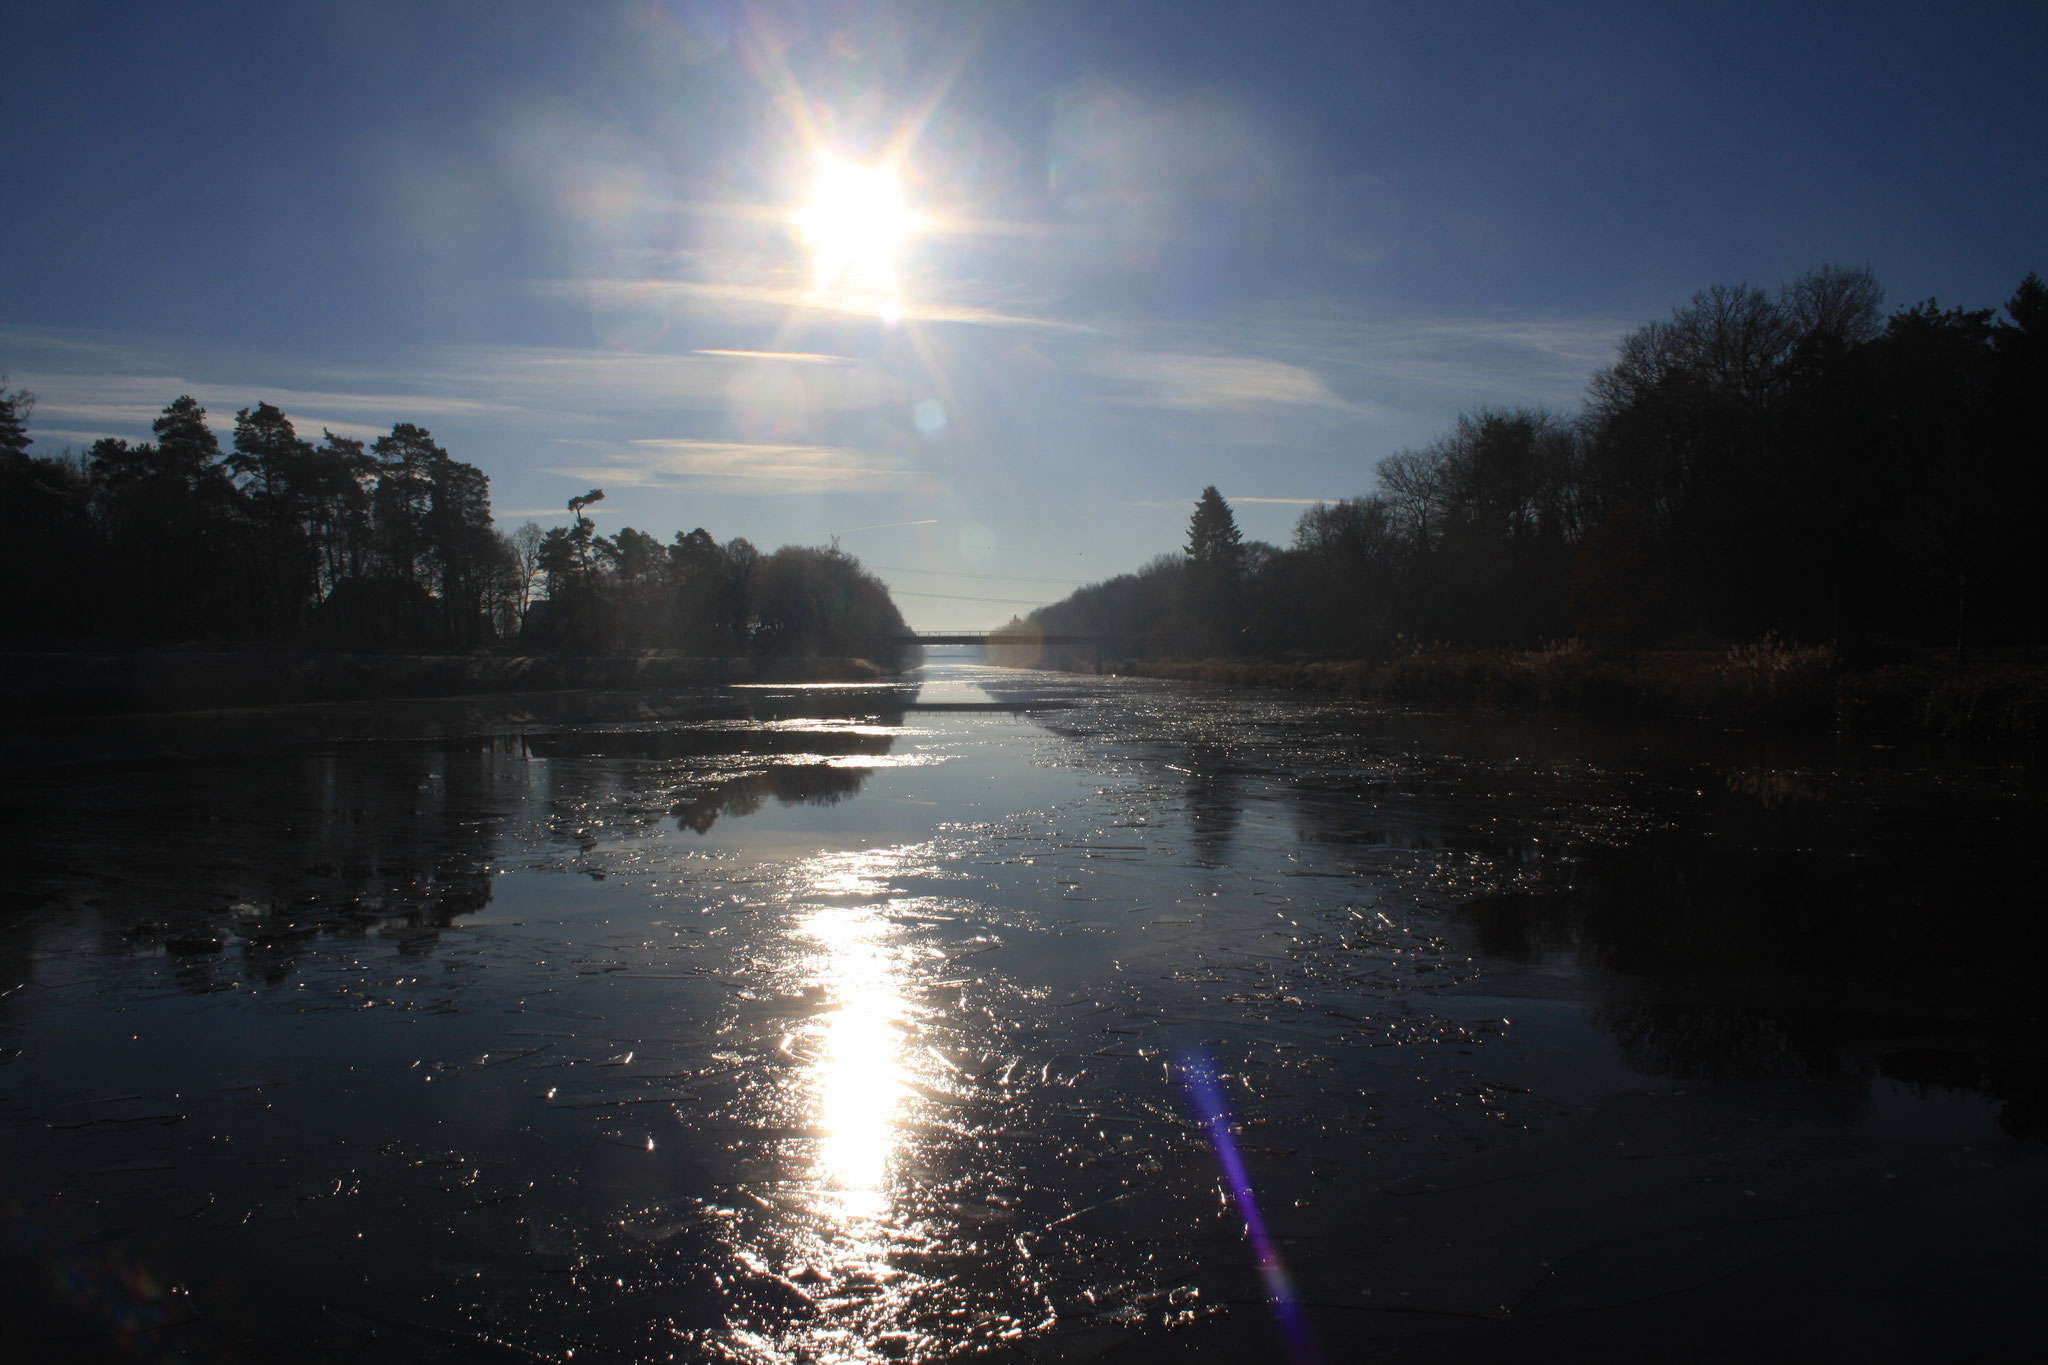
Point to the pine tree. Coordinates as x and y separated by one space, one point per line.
1215 549
14 410
186 449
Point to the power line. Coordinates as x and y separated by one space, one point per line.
961 573
952 597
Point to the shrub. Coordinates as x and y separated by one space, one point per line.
1772 679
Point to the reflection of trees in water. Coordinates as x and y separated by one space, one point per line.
1389 812
1885 921
1215 800
234 867
1678 903
792 784
1889 924
711 741
2021 1082
1705 1042
1714 1043
1775 788
622 780
234 850
414 831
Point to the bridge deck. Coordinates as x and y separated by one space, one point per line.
985 637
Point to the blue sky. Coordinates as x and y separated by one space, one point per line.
1160 245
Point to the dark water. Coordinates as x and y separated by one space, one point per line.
1024 1016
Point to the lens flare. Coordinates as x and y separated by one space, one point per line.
855 223
1212 1106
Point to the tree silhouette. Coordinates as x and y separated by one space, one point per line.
1788 461
276 470
185 445
1214 545
14 410
1215 569
46 530
1759 460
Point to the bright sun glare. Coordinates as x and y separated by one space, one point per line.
854 224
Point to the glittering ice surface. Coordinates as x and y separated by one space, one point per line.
845 1024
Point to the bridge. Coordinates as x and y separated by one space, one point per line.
1001 637
993 637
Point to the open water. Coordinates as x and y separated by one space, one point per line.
1013 1015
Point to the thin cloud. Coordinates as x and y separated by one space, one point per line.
558 380
639 291
1437 365
887 526
127 402
1587 341
33 339
794 357
531 389
361 431
42 433
1228 497
741 467
1185 382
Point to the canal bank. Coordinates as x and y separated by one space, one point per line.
2000 696
114 682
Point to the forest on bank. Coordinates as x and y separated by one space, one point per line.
1794 462
385 546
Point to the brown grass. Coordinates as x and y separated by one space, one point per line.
1767 682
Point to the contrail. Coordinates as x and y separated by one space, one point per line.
886 526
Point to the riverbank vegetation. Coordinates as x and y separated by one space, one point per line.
385 547
86 682
1774 504
1996 695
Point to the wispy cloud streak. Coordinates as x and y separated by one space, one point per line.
1182 382
741 467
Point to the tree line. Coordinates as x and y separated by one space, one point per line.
388 544
694 594
1792 461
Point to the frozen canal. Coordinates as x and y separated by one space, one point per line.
1013 1014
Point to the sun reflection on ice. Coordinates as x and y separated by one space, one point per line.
858 1080
855 1098
865 873
859 1072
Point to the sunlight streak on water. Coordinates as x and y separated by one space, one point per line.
863 873
855 1086
858 1078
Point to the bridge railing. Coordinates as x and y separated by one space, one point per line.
997 637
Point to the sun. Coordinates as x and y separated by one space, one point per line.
855 223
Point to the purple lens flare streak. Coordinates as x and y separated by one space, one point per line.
1205 1092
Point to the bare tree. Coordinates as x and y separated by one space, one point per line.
1729 341
1414 487
1842 303
524 544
